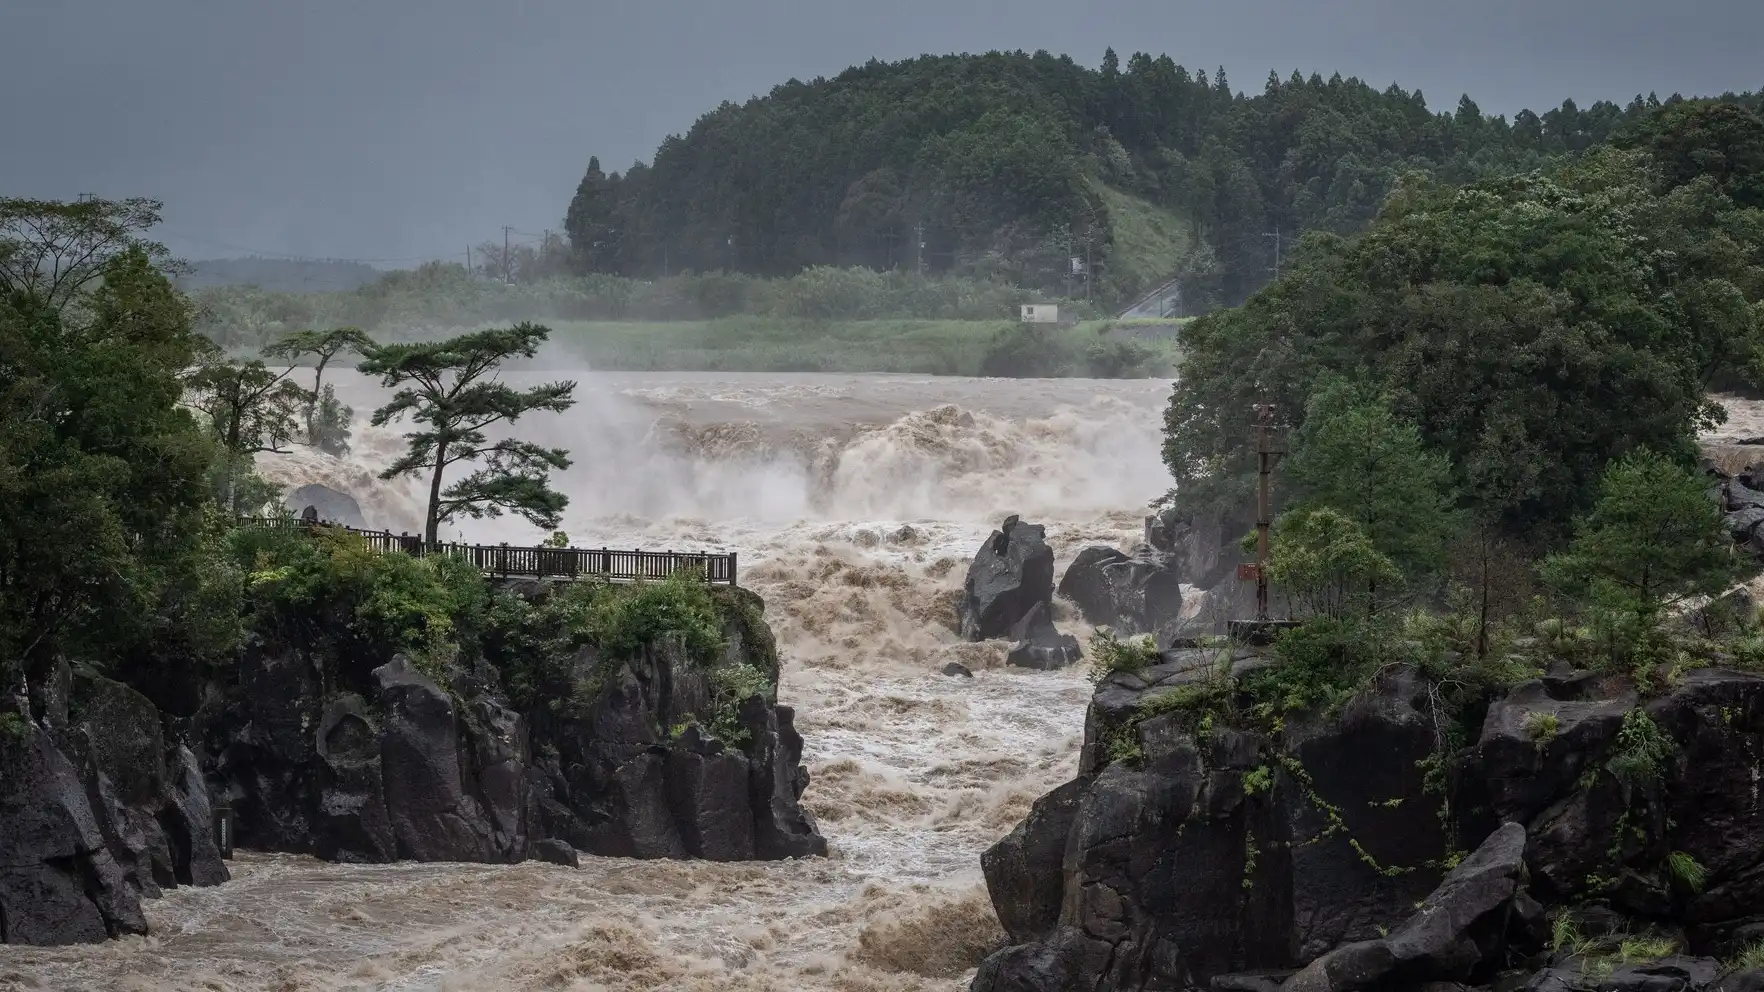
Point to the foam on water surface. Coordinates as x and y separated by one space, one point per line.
855 503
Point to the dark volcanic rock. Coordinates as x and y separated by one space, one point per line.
1038 644
1010 574
1457 934
1023 870
1191 848
433 818
59 883
1137 594
95 814
351 824
556 852
333 507
1671 974
1086 586
782 827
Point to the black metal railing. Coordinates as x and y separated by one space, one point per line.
538 562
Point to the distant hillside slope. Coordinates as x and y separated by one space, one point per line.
278 275
1008 164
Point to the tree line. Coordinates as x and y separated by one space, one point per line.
995 165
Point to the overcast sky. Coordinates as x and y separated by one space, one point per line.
391 129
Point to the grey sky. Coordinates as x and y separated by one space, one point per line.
385 129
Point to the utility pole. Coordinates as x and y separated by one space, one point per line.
1275 234
1267 454
919 252
468 260
507 263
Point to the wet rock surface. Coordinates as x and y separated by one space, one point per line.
105 800
99 809
1356 847
1010 575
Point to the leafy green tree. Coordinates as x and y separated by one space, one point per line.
1653 540
448 389
1533 328
1356 456
251 408
1326 563
327 426
107 539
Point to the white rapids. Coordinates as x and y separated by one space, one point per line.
854 502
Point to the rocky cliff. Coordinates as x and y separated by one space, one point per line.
519 746
99 808
1566 832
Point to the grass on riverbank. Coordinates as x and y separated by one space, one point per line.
762 344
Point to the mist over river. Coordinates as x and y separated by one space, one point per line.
855 502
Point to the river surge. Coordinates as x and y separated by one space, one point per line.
854 503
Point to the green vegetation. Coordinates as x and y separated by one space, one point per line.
1653 540
678 610
328 421
1687 872
448 296
1109 654
1501 319
1543 727
449 388
1641 751
334 593
108 533
1750 958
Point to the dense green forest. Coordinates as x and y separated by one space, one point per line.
1532 328
1004 165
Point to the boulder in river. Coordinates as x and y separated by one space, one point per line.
332 506
1038 644
1011 573
1139 593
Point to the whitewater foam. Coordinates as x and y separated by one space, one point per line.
855 503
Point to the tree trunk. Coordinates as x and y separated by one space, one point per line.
433 526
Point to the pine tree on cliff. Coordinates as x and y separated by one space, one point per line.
445 387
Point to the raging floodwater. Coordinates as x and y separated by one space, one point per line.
855 503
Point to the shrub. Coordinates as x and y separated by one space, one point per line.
1026 351
1687 871
1542 727
1117 359
680 608
1109 654
1642 750
334 589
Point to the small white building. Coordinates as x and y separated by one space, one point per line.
1041 313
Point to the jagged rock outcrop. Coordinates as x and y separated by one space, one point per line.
1011 573
1037 643
1197 848
618 762
1133 594
99 809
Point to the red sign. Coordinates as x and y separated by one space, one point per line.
1249 571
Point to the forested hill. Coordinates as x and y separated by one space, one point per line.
1011 163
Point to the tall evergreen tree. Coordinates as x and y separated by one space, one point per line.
448 389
